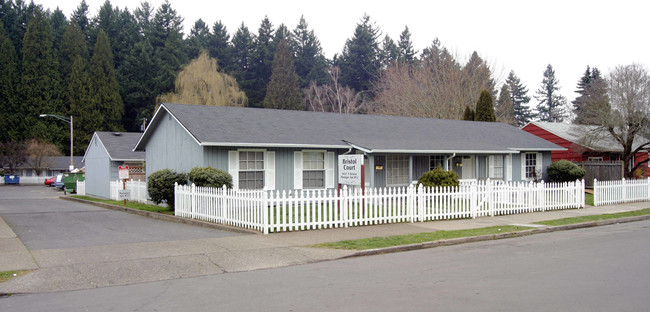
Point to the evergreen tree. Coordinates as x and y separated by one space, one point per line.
593 92
220 47
72 45
283 91
16 18
504 110
282 33
406 51
40 83
104 89
8 97
243 48
359 61
144 18
87 118
166 38
476 77
469 114
59 25
551 103
199 38
261 63
389 52
81 16
520 99
485 107
310 62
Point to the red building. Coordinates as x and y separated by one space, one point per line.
584 144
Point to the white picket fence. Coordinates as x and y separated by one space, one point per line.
81 188
621 191
138 190
276 211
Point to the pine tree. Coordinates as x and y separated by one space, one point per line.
310 61
282 33
199 39
81 16
166 38
283 91
40 83
476 77
359 61
242 52
504 110
16 19
220 47
59 25
485 107
72 45
389 52
551 103
261 63
469 114
104 89
593 96
8 97
520 99
406 51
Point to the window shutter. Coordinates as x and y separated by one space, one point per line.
523 167
491 166
297 170
538 165
233 168
508 167
269 170
330 180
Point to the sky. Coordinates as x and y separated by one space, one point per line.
524 36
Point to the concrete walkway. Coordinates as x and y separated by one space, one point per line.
100 266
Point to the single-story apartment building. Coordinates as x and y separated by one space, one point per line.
50 167
286 150
585 143
104 154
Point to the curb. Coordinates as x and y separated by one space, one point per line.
163 217
472 239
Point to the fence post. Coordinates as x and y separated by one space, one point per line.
596 193
409 203
624 189
582 193
646 198
421 205
193 203
224 201
473 202
344 201
265 211
542 195
490 203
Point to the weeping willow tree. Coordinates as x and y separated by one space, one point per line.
201 83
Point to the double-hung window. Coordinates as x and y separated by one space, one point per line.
436 161
495 166
251 169
531 165
397 170
313 166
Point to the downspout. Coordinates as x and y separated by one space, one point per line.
449 165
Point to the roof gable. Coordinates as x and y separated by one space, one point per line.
119 145
591 137
237 126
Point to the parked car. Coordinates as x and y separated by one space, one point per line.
49 181
58 183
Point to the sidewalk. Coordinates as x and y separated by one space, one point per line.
101 266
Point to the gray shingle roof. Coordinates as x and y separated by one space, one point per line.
119 145
238 126
592 137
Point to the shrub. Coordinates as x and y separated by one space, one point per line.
160 186
564 171
439 177
210 177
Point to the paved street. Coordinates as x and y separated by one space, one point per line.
596 269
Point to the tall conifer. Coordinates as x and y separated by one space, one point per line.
283 91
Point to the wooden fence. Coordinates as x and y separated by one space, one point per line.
601 170
276 211
621 191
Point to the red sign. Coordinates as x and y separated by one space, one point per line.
123 172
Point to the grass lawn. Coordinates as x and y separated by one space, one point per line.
596 217
129 204
589 199
7 275
397 240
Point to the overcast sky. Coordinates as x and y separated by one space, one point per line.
511 35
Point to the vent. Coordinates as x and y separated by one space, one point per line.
117 133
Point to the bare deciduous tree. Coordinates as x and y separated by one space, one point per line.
333 97
627 116
37 152
12 155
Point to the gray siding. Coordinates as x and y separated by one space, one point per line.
380 175
516 167
171 147
98 175
420 166
546 161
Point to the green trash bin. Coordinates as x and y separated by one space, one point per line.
70 181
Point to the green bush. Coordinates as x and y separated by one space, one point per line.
439 177
160 186
210 177
564 171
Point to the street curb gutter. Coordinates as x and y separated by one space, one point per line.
472 239
162 216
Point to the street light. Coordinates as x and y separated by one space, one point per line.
68 120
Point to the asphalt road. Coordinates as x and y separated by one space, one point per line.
595 269
43 221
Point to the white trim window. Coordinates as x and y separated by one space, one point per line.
495 167
313 169
531 166
397 170
436 161
252 169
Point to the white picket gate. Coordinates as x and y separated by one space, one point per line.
276 211
138 190
621 191
81 188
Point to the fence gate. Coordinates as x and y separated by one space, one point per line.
601 170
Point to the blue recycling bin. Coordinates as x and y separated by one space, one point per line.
12 179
